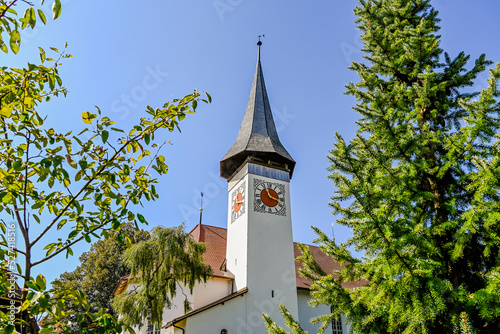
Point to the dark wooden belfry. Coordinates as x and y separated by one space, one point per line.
258 140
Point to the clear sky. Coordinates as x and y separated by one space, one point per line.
130 54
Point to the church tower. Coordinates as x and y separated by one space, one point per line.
260 250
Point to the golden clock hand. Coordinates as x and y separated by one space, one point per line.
271 196
276 199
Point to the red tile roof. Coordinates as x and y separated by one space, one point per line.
325 262
215 239
122 285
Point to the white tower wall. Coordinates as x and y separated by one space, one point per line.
260 249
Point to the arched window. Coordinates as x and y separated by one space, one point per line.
224 331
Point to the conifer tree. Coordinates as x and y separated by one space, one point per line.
418 184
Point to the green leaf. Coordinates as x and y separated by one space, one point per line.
42 55
6 111
104 136
46 330
61 223
37 205
115 225
32 286
141 218
50 251
15 41
41 14
56 9
72 234
209 98
32 17
18 165
87 117
69 252
83 164
41 282
59 80
52 81
9 329
3 47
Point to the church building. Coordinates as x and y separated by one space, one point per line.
253 259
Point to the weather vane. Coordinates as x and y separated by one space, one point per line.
259 42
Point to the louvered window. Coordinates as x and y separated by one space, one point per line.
336 325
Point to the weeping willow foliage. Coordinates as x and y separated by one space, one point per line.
168 263
418 184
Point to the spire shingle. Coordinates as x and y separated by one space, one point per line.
258 139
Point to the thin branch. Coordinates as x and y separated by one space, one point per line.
97 174
7 8
59 251
155 156
374 219
26 179
14 248
18 218
77 240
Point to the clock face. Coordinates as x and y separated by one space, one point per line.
269 197
238 202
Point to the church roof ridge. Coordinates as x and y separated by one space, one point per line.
215 257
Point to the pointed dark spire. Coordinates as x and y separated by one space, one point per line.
201 207
258 139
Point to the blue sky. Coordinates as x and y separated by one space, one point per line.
135 54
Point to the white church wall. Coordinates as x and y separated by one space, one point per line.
177 309
203 294
212 290
237 242
260 251
271 274
229 315
307 312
